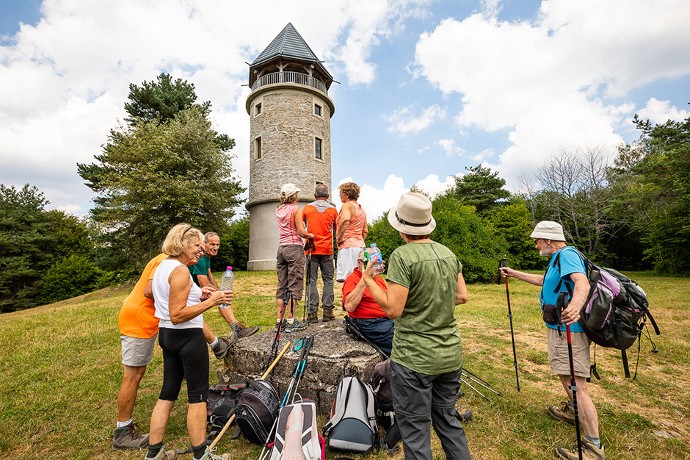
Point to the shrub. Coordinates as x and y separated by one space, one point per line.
70 277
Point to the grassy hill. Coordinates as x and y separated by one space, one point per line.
60 372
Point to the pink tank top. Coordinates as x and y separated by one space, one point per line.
287 231
353 234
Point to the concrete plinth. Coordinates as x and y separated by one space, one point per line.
334 355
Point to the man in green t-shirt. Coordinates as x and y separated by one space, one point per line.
202 276
425 284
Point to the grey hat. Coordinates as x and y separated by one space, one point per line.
412 215
548 230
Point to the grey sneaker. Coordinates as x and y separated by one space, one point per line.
589 452
223 346
129 437
163 455
565 412
295 326
243 331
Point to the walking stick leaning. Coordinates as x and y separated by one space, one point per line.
510 317
263 377
563 304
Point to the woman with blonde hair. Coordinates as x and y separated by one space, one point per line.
180 308
290 258
351 230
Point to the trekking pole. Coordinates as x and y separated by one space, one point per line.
475 389
305 346
563 303
276 337
510 317
308 346
308 246
351 328
478 380
263 377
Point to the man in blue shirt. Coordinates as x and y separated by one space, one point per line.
568 275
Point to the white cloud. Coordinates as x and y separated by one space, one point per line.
377 201
554 83
404 121
660 112
449 147
65 80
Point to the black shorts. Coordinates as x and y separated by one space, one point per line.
185 356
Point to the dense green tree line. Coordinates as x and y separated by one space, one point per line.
168 165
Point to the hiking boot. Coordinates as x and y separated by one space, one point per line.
295 326
129 437
209 456
163 455
313 318
589 452
565 412
328 315
223 346
243 331
285 324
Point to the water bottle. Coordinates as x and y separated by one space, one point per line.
226 282
374 254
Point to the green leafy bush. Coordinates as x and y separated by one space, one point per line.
70 277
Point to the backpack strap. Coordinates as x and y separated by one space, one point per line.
345 387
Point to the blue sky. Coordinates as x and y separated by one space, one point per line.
426 89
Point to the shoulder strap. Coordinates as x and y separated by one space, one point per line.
340 403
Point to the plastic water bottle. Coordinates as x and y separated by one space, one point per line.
376 257
226 282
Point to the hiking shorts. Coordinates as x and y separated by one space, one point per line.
185 357
347 262
558 352
137 352
290 266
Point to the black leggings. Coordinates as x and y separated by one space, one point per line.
184 356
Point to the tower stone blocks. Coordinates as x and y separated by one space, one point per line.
290 139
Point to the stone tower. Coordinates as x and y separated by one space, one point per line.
290 135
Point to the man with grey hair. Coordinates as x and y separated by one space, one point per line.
202 276
320 218
565 272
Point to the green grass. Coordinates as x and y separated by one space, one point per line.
60 372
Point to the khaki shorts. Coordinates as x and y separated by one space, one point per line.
137 352
558 352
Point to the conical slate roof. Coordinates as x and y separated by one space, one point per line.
289 44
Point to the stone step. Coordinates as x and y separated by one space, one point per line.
334 355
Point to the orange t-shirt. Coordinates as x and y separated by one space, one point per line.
136 315
320 217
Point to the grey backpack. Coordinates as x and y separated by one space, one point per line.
352 427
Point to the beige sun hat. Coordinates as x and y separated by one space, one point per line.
287 190
548 230
412 215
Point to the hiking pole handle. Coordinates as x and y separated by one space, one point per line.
263 377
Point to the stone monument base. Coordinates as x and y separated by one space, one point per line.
334 355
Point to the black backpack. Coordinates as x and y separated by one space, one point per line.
616 309
220 406
352 427
256 410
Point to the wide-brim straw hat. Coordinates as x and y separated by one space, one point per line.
412 215
548 230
